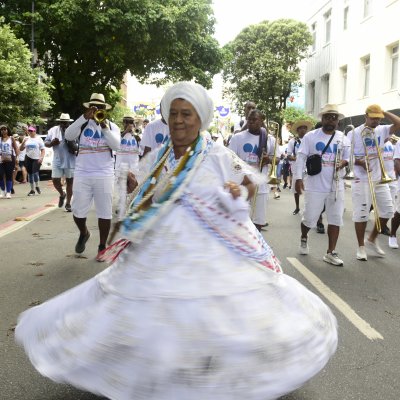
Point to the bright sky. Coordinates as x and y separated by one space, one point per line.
234 15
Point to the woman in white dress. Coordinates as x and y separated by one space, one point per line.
196 307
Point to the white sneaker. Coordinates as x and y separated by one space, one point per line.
2 194
277 195
333 258
361 254
374 246
393 242
303 249
8 195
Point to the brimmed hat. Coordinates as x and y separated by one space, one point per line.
97 98
128 116
330 109
301 122
374 111
64 117
31 128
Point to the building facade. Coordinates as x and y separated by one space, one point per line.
354 59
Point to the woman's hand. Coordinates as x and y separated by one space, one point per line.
131 182
233 189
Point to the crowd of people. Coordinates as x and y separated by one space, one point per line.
195 304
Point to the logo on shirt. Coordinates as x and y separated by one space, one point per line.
160 138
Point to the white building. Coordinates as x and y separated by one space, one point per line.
355 56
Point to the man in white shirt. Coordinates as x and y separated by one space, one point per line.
364 139
154 136
246 145
94 169
326 188
396 217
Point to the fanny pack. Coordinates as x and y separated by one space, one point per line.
314 161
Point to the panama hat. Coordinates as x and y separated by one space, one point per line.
64 118
97 98
301 122
330 109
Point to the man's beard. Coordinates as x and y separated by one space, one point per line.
329 128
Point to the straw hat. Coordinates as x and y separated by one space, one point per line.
301 122
97 98
64 118
330 109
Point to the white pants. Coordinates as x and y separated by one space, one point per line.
259 214
314 203
88 190
361 197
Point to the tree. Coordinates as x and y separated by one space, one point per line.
292 114
23 98
87 45
262 64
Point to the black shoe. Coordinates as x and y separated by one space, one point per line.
68 207
296 211
31 193
320 228
61 200
12 191
80 244
386 231
285 186
38 190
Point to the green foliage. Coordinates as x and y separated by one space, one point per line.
293 114
22 97
87 45
262 64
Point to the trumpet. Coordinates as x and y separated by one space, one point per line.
350 169
394 138
273 179
100 116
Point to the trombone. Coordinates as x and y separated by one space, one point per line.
273 179
368 132
336 164
350 170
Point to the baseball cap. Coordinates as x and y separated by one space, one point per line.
374 111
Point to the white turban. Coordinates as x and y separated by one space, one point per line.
196 95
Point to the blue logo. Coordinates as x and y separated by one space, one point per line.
321 145
248 148
90 134
223 111
160 138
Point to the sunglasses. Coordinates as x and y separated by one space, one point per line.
128 121
332 117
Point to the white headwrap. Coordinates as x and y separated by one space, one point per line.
196 95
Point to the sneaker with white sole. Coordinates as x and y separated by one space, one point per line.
2 193
374 247
8 195
276 195
303 249
333 258
393 242
361 254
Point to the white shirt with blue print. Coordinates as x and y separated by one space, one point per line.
33 147
314 142
128 153
382 132
155 135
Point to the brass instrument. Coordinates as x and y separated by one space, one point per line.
350 169
336 166
100 116
394 138
273 179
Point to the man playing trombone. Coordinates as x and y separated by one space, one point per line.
325 188
258 149
370 185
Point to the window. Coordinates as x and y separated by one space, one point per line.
365 73
367 8
314 36
311 96
345 18
343 71
327 17
394 66
325 89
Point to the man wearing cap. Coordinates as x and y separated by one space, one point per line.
298 129
361 194
321 191
63 160
94 169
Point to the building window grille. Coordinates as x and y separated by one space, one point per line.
325 89
367 8
311 87
394 67
314 36
327 17
366 74
344 83
345 18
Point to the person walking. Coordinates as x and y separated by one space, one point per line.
393 244
94 169
35 152
196 307
63 160
9 152
331 150
365 138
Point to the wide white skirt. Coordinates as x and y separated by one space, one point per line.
181 317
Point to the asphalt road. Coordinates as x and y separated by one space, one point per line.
38 262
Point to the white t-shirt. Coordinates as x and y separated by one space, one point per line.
33 147
396 156
155 134
388 162
245 145
128 153
382 132
314 142
293 148
95 158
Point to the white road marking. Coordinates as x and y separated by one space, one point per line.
363 326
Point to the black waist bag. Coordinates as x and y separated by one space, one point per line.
314 164
314 161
